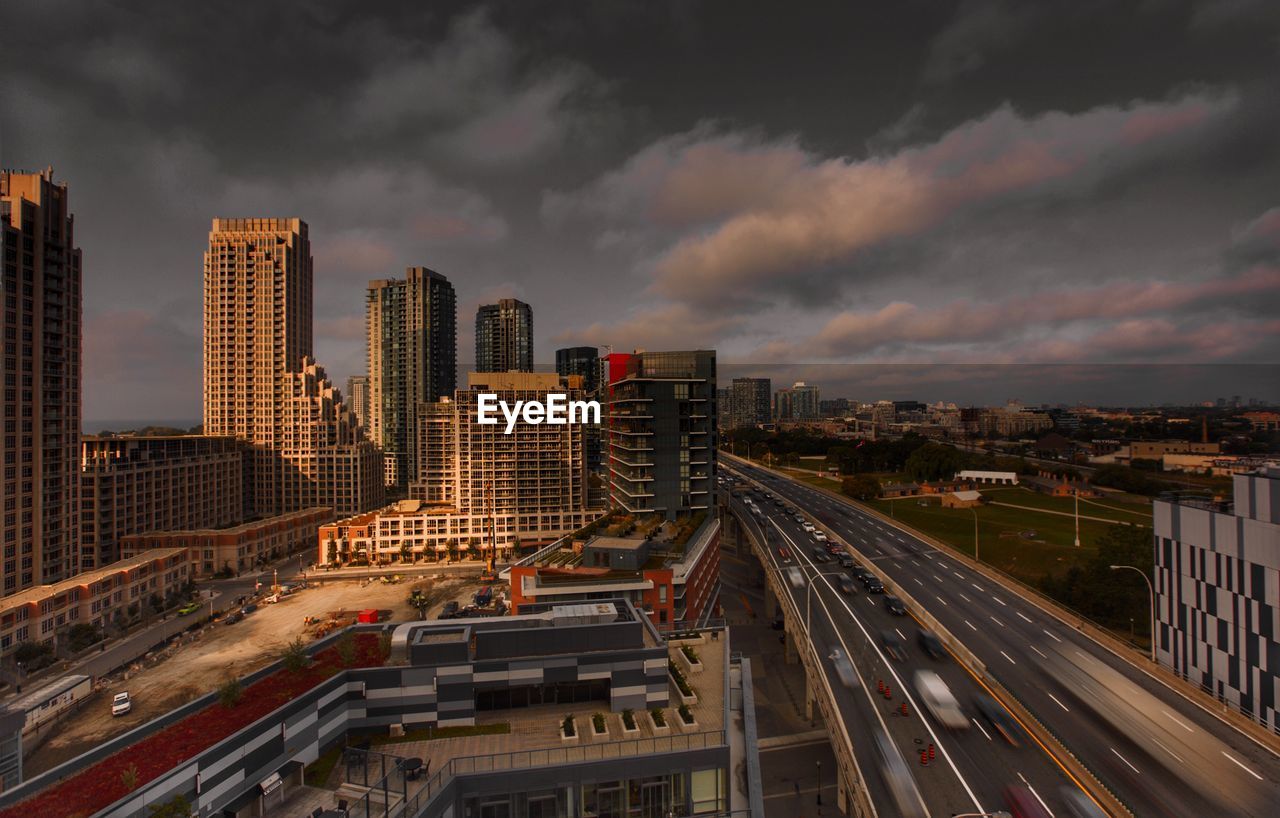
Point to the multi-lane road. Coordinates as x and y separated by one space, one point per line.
970 767
1157 751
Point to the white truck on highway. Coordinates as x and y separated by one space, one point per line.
940 701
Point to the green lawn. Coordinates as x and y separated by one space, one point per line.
1109 508
1049 550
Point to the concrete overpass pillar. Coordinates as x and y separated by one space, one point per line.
843 787
810 696
771 608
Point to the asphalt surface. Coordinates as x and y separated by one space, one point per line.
971 766
1160 753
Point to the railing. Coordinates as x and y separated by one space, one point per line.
437 782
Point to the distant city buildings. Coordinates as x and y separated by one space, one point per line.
260 382
504 337
41 279
130 485
662 431
750 403
412 359
1217 596
357 396
798 402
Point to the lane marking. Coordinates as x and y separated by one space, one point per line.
978 724
1167 750
997 621
900 633
1060 704
1178 721
958 574
940 599
1126 761
1051 636
977 586
1240 764
938 578
918 582
965 598
1007 656
1037 650
970 624
1001 601
1024 617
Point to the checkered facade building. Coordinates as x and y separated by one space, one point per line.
1217 573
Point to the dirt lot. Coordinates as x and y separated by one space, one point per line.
206 658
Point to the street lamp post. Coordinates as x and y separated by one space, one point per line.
1076 494
819 782
976 558
1152 593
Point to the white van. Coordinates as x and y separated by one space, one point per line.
940 701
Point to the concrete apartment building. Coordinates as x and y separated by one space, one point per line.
478 484
103 596
131 485
1217 586
40 271
662 431
260 382
504 337
750 405
234 548
412 359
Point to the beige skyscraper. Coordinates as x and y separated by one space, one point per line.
40 276
260 382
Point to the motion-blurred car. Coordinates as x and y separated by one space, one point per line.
873 585
893 646
931 644
999 718
1080 805
846 585
844 669
1023 803
940 701
898 779
895 605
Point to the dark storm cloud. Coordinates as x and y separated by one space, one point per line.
652 174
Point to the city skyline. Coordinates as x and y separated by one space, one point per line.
994 213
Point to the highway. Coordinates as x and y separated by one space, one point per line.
1160 753
972 766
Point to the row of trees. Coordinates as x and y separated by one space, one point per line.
1116 599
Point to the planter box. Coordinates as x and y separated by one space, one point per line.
660 729
687 725
573 739
634 731
694 667
689 700
598 733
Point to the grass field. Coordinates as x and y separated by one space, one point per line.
1113 508
1047 551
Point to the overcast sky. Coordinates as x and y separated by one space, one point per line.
808 183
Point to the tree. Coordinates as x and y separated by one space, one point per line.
81 636
934 461
346 648
294 656
230 693
861 487
1113 598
